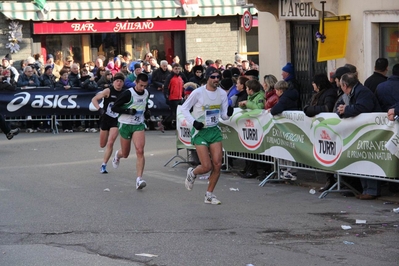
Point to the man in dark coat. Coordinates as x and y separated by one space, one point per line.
361 100
379 75
387 92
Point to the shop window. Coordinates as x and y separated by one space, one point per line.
108 45
61 46
390 44
159 44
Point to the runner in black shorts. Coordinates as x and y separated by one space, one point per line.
109 119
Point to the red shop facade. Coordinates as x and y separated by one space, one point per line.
86 40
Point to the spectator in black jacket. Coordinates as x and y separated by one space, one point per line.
361 100
48 79
387 92
74 75
379 75
198 75
321 102
159 76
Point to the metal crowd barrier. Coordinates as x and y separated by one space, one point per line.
53 119
279 164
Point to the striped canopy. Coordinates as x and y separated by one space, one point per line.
89 10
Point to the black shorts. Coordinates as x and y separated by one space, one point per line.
106 122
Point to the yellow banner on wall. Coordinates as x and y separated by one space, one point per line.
336 32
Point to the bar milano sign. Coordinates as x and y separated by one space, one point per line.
296 10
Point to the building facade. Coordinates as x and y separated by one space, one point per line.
287 34
84 30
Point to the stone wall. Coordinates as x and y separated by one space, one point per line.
212 38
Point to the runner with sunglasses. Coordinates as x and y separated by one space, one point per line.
209 102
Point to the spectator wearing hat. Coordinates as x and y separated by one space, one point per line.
6 83
147 70
6 63
159 76
48 79
188 67
56 68
288 74
189 87
129 81
379 75
197 77
252 74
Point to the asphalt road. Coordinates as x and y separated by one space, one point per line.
54 210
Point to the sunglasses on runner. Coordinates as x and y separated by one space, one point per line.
214 77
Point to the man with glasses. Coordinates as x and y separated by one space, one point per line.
208 103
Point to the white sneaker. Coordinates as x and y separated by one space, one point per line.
140 183
93 130
212 200
115 161
189 182
87 130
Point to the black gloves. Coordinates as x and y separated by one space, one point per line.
230 111
147 114
101 110
131 111
198 125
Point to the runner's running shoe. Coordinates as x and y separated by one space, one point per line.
189 182
103 169
212 200
140 183
115 161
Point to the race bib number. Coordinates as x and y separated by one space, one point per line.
212 117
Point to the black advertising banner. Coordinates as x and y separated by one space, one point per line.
43 101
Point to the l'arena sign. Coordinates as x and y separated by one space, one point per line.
79 27
296 10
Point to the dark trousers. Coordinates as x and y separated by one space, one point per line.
3 125
168 121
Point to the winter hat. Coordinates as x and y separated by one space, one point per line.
8 57
340 71
47 67
209 71
137 65
49 56
227 74
120 76
289 68
252 72
235 72
226 84
197 68
188 90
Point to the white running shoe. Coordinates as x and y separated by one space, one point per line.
212 200
140 183
93 130
115 161
190 179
